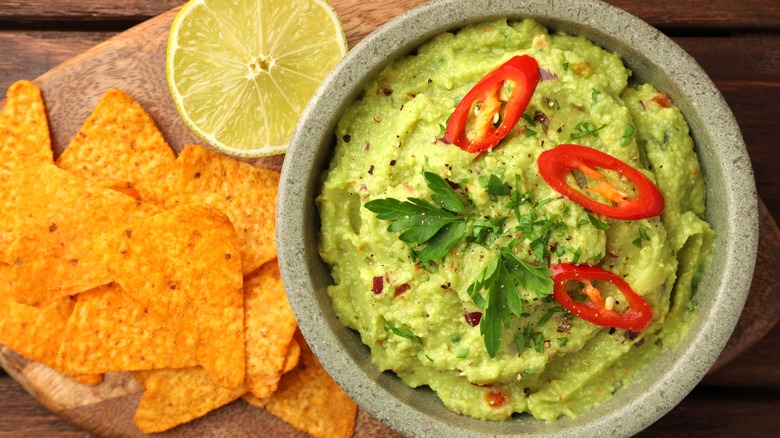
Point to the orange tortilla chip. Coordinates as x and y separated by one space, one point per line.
24 129
270 325
293 355
184 266
125 187
109 331
90 379
309 400
246 193
119 141
55 217
174 397
34 332
24 141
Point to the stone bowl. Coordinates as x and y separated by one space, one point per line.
731 210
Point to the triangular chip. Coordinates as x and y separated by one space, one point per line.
174 397
184 266
292 357
109 331
55 216
24 141
270 325
24 129
246 193
119 141
309 400
36 332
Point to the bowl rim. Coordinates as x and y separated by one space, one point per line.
738 235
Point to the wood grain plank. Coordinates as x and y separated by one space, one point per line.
27 55
719 412
665 14
22 416
83 10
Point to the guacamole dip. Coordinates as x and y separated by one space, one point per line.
422 316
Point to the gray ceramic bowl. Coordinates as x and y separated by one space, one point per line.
731 209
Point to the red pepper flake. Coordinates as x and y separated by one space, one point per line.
379 284
662 99
473 318
385 91
400 290
496 399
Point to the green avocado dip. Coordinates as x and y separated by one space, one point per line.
420 315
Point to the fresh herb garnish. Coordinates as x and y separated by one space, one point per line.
462 353
402 332
600 225
583 129
440 223
562 341
594 95
627 134
500 279
642 236
565 66
550 312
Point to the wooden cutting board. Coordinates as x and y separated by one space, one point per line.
134 62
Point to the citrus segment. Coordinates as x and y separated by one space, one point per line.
241 72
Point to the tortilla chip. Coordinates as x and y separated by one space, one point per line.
270 325
119 141
125 187
246 193
24 129
24 141
174 397
184 266
109 331
55 216
35 332
90 380
309 400
293 355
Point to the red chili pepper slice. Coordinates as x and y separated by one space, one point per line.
595 309
523 71
556 163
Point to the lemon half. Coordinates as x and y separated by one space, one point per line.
241 71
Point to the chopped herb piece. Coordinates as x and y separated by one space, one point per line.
600 225
523 339
529 118
402 332
496 187
594 95
550 312
562 341
583 129
462 353
577 254
627 134
565 66
539 342
529 132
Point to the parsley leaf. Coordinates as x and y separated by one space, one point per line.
443 194
500 280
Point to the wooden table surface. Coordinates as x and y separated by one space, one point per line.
737 42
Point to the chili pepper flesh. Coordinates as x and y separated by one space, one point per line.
556 163
596 309
523 73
